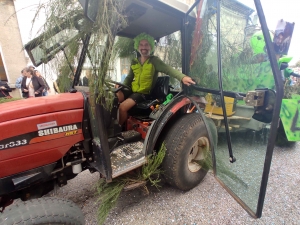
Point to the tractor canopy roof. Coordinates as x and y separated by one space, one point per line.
156 18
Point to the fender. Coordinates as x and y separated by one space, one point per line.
158 125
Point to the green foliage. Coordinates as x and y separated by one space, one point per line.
68 15
110 192
170 53
108 196
152 167
3 100
124 48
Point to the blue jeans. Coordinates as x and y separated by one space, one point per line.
45 93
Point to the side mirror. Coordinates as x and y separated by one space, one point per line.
90 8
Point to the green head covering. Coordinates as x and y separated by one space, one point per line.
143 36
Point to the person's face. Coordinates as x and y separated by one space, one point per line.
37 73
27 74
279 39
144 48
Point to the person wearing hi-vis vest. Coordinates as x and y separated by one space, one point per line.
143 75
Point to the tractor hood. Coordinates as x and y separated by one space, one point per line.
42 105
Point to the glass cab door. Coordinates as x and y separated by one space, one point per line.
230 58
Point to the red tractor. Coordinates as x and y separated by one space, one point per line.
48 140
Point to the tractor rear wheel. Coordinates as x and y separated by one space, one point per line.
43 211
187 144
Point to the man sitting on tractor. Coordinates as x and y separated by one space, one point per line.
143 75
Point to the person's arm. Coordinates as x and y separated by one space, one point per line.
129 78
23 85
42 85
19 82
7 88
46 84
160 66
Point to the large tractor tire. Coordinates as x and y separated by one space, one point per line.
187 144
43 211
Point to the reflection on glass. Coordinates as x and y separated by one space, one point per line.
168 50
203 54
51 46
245 68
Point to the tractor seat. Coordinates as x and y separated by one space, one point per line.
159 93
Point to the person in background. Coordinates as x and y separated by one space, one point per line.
85 79
4 90
31 67
32 86
19 79
47 89
124 74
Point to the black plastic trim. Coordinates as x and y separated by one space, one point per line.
22 180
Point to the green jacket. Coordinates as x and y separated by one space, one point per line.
142 78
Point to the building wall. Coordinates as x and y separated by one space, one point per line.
12 56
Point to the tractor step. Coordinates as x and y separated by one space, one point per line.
123 138
127 157
131 136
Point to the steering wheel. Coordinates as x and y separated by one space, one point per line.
121 86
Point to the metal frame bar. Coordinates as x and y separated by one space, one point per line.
228 137
279 96
275 119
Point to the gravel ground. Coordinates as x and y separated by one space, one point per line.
208 203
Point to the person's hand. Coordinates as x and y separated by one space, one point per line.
2 87
36 93
25 90
187 80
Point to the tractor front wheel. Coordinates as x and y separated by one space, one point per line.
43 211
187 145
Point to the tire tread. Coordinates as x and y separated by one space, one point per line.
176 141
43 211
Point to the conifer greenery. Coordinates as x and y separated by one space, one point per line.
110 192
62 14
